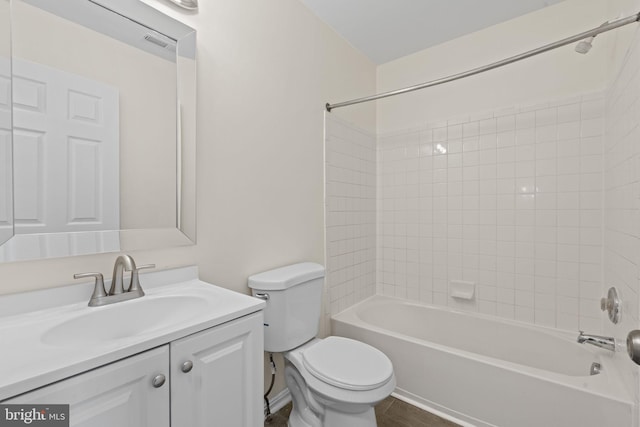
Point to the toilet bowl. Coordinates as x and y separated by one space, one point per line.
334 382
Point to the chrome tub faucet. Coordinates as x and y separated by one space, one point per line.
608 343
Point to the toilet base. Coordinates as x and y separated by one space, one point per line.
335 419
362 419
312 410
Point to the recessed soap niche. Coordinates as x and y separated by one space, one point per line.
462 290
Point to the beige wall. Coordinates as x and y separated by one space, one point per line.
553 75
265 71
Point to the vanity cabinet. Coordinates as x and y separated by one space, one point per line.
212 377
119 394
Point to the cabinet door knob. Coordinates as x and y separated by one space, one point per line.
187 366
158 381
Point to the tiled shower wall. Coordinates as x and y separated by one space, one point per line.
622 200
350 193
510 200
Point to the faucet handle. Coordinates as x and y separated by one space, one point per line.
135 278
612 305
98 289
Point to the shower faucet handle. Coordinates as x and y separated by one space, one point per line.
611 304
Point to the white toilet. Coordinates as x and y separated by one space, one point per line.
334 382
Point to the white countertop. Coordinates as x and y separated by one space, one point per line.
26 362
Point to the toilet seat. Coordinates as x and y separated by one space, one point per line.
347 364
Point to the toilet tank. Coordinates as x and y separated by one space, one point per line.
292 314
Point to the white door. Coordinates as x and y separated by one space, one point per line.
120 394
225 385
6 194
66 136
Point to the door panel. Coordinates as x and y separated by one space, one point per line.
220 389
119 394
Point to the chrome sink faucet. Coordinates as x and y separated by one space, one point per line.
608 343
117 292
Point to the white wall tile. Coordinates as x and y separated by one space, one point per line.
620 209
515 203
350 209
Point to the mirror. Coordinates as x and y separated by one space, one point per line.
103 136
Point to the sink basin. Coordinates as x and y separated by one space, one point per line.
124 319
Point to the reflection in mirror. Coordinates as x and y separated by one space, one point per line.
101 142
6 174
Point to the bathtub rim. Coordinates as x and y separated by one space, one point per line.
608 384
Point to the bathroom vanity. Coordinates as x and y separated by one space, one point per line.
184 354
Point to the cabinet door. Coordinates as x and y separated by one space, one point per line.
225 386
120 394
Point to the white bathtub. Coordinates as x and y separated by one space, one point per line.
481 371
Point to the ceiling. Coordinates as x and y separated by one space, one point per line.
385 30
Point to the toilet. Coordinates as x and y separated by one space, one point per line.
334 382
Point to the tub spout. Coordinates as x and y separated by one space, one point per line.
608 343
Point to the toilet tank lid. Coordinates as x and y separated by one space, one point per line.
286 277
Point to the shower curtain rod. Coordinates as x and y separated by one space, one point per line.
607 26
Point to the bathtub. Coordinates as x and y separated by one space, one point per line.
481 371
